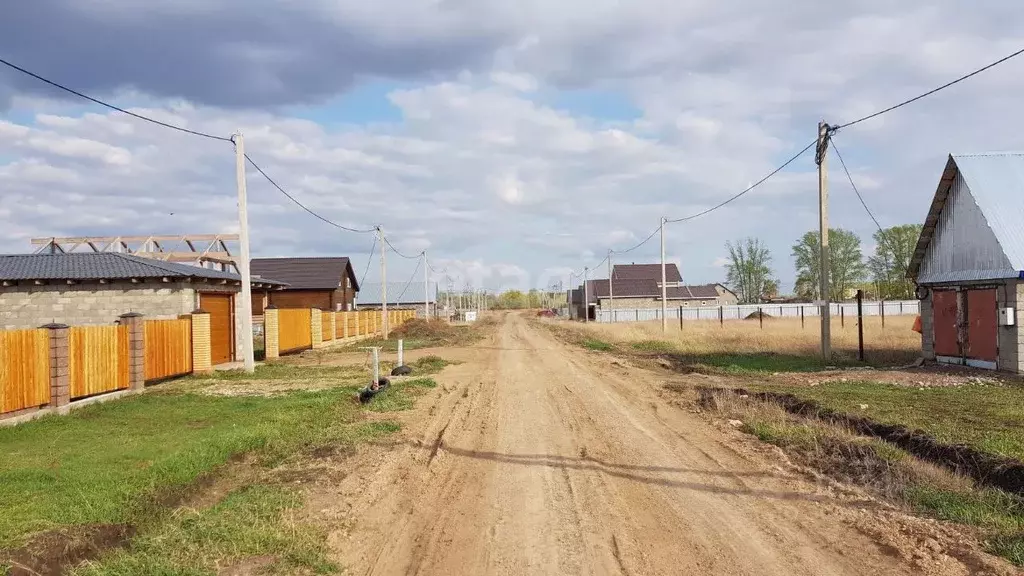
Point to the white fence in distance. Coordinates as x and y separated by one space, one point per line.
739 312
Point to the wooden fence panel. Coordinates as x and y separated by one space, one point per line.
325 323
294 329
24 369
98 360
168 348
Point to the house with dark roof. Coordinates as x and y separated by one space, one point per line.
969 263
327 283
96 287
636 286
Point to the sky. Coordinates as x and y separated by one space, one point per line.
514 142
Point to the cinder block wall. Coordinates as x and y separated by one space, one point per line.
1011 349
927 329
28 306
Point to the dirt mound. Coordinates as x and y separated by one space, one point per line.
758 315
419 328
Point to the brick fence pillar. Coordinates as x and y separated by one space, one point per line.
202 362
136 349
358 331
333 328
271 332
316 327
60 374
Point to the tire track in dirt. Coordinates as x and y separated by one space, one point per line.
543 460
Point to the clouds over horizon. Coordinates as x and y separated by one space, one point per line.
505 158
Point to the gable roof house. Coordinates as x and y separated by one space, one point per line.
636 286
969 263
93 288
327 283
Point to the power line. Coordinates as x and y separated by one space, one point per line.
395 250
933 91
369 260
409 283
111 106
303 206
645 241
854 186
749 188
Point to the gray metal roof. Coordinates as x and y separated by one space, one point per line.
398 293
996 184
103 266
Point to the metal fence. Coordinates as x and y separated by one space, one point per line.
738 312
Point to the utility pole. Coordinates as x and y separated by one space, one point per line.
611 292
822 160
586 297
245 309
426 288
664 285
385 329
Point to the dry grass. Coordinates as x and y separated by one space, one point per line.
896 343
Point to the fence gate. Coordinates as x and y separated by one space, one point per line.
168 348
24 369
294 329
222 326
944 313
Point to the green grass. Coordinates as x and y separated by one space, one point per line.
429 365
755 363
598 345
989 418
284 371
655 346
107 463
246 523
401 395
1000 514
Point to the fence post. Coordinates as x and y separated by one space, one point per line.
760 317
721 316
60 375
860 325
333 328
680 317
201 359
359 332
901 307
271 332
801 315
842 316
637 314
881 306
344 324
316 328
136 349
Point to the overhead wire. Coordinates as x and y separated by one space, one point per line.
409 283
644 241
111 106
369 260
934 90
396 251
303 206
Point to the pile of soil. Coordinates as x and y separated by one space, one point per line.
433 329
758 315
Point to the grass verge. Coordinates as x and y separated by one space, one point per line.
418 333
887 470
401 395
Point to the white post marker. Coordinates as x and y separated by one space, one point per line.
376 365
401 353
245 310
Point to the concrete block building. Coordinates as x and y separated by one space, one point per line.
969 264
96 288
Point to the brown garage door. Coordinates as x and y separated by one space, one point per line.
981 325
222 336
944 315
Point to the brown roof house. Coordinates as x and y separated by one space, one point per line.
638 286
327 283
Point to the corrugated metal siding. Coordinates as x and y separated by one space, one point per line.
997 183
964 246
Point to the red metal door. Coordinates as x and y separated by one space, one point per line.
981 325
944 320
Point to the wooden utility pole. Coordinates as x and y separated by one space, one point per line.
664 285
426 288
611 292
385 329
826 308
244 310
586 297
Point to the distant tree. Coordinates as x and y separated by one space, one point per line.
846 264
894 248
750 272
511 300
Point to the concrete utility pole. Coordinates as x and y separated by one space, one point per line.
664 285
611 292
385 329
826 319
244 310
426 288
586 297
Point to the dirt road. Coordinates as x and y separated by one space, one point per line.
532 458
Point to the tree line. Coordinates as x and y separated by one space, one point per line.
751 276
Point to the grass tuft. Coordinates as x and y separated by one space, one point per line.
598 345
656 346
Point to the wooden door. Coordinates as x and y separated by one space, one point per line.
222 322
981 325
944 314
